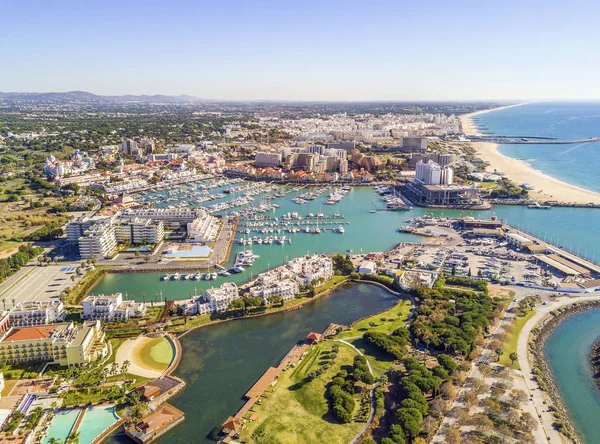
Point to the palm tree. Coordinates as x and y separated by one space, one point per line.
14 302
114 368
4 302
125 367
74 438
55 441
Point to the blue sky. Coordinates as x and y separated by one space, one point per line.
304 50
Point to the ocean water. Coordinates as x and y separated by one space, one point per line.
576 164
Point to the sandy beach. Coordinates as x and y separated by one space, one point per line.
546 188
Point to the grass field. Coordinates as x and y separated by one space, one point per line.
297 411
510 344
155 354
385 322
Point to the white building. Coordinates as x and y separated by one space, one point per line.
307 269
98 241
80 163
430 173
219 298
163 157
166 214
27 314
367 267
287 289
204 228
263 159
111 308
139 231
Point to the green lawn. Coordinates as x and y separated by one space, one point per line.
385 322
510 344
296 411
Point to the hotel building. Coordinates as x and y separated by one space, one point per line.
27 314
111 308
62 344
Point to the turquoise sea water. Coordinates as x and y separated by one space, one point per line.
576 164
568 348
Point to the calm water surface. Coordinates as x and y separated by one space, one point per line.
567 351
221 363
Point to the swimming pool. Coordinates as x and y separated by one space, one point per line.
95 421
62 424
188 251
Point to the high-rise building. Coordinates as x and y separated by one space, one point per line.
430 173
130 148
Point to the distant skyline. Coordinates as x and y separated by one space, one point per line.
304 50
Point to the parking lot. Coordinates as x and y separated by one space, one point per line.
35 283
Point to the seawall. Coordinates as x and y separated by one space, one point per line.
541 369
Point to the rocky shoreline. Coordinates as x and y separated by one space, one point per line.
541 371
595 361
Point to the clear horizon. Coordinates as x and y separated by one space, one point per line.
304 51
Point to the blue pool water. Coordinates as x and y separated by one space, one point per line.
95 421
189 252
62 424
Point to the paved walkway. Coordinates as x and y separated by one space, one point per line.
518 383
537 396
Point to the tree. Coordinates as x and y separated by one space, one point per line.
513 357
74 438
452 435
485 370
499 352
429 424
125 367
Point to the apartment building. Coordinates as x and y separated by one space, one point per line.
183 215
205 228
431 173
77 228
98 241
62 344
27 314
111 308
307 269
287 289
136 230
215 300
130 147
221 297
263 159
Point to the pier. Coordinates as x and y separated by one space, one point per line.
529 140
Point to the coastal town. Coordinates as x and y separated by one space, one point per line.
127 247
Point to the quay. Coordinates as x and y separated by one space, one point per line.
233 425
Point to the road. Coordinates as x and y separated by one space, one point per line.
518 383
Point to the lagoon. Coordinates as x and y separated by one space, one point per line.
220 363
